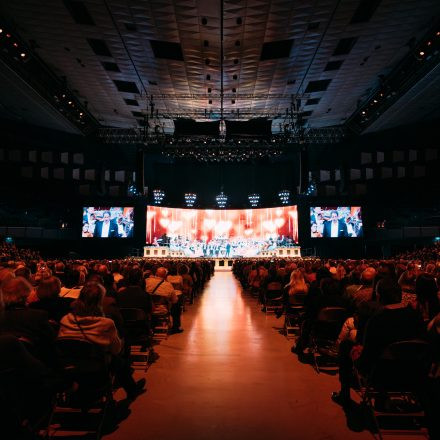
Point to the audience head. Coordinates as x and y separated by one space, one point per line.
6 275
89 302
49 288
183 269
172 270
73 278
368 275
15 291
330 286
388 292
59 267
427 292
161 272
23 272
134 277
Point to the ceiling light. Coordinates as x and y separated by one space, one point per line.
158 196
254 200
221 200
284 196
190 199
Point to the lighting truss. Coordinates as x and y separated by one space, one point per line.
284 196
254 200
190 199
158 196
222 200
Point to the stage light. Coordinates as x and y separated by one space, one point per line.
190 199
22 54
221 200
284 196
254 200
311 189
158 196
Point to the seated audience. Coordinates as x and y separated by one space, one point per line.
158 286
87 322
48 291
31 326
391 323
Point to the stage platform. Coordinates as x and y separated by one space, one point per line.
166 252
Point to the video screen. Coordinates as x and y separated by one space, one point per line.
116 222
222 233
336 222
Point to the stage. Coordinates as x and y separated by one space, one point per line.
167 252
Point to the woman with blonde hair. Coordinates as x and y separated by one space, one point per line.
297 283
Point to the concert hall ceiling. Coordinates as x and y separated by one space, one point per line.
127 59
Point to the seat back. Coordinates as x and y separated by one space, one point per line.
274 295
297 299
159 302
81 358
133 315
88 365
136 325
403 365
329 322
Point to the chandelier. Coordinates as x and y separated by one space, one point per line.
190 199
158 196
221 200
254 200
284 196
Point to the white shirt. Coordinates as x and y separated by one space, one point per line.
105 229
334 229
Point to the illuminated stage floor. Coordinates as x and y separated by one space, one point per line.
230 376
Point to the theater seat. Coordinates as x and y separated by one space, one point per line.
400 375
325 332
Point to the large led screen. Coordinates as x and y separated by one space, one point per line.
103 222
223 232
336 222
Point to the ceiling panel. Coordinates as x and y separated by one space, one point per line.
261 87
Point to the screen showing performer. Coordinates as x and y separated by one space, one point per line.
222 233
116 222
336 222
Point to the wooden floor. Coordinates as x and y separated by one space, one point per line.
231 375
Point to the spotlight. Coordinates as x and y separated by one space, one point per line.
221 200
284 196
190 199
158 196
254 200
421 53
22 54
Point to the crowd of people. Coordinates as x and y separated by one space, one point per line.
385 301
43 302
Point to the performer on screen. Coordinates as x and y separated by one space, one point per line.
106 228
335 228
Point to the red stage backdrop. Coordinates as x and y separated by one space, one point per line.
230 224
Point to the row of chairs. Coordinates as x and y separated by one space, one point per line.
401 373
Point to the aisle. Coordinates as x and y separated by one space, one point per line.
231 375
